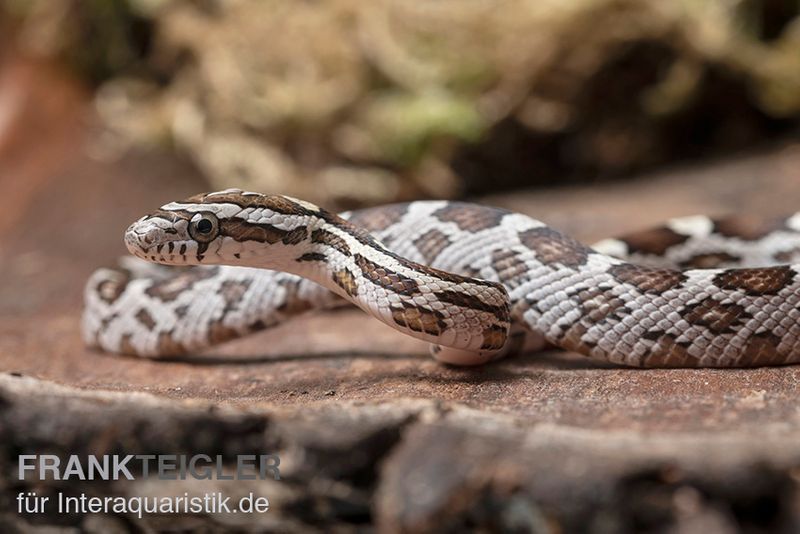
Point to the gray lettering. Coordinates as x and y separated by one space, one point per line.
203 474
121 467
96 467
74 468
24 465
269 464
166 467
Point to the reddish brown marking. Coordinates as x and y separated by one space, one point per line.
552 247
599 304
747 227
711 260
787 256
144 317
757 281
125 345
449 277
668 352
509 267
431 244
716 316
647 279
654 241
385 278
219 333
169 289
233 291
762 349
379 219
470 218
419 319
168 346
292 304
276 203
345 279
332 240
494 337
515 343
311 256
241 230
111 288
466 300
572 338
295 236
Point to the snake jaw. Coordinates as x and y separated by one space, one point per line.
159 240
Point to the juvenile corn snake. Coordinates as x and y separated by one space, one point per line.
476 282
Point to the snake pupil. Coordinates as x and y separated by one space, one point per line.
204 226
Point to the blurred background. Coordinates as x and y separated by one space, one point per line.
350 103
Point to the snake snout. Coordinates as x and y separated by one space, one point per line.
139 237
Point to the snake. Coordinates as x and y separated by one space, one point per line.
476 282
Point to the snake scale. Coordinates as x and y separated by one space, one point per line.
476 282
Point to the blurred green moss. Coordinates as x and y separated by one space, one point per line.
294 95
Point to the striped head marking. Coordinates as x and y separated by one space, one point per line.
231 226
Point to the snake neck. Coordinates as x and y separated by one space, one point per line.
435 306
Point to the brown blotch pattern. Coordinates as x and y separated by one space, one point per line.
647 279
450 277
125 345
746 227
218 332
667 351
431 244
345 279
332 240
551 246
419 319
600 304
716 316
465 300
762 349
241 230
292 304
509 267
494 338
787 256
276 203
110 289
469 218
757 281
312 256
169 289
572 338
710 260
233 291
167 346
379 219
655 241
145 319
295 236
385 278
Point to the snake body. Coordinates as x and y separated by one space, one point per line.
476 282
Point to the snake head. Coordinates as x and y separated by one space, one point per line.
227 227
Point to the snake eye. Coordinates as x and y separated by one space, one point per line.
204 227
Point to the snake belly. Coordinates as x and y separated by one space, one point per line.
472 280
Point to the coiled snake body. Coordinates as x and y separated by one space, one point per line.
473 280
